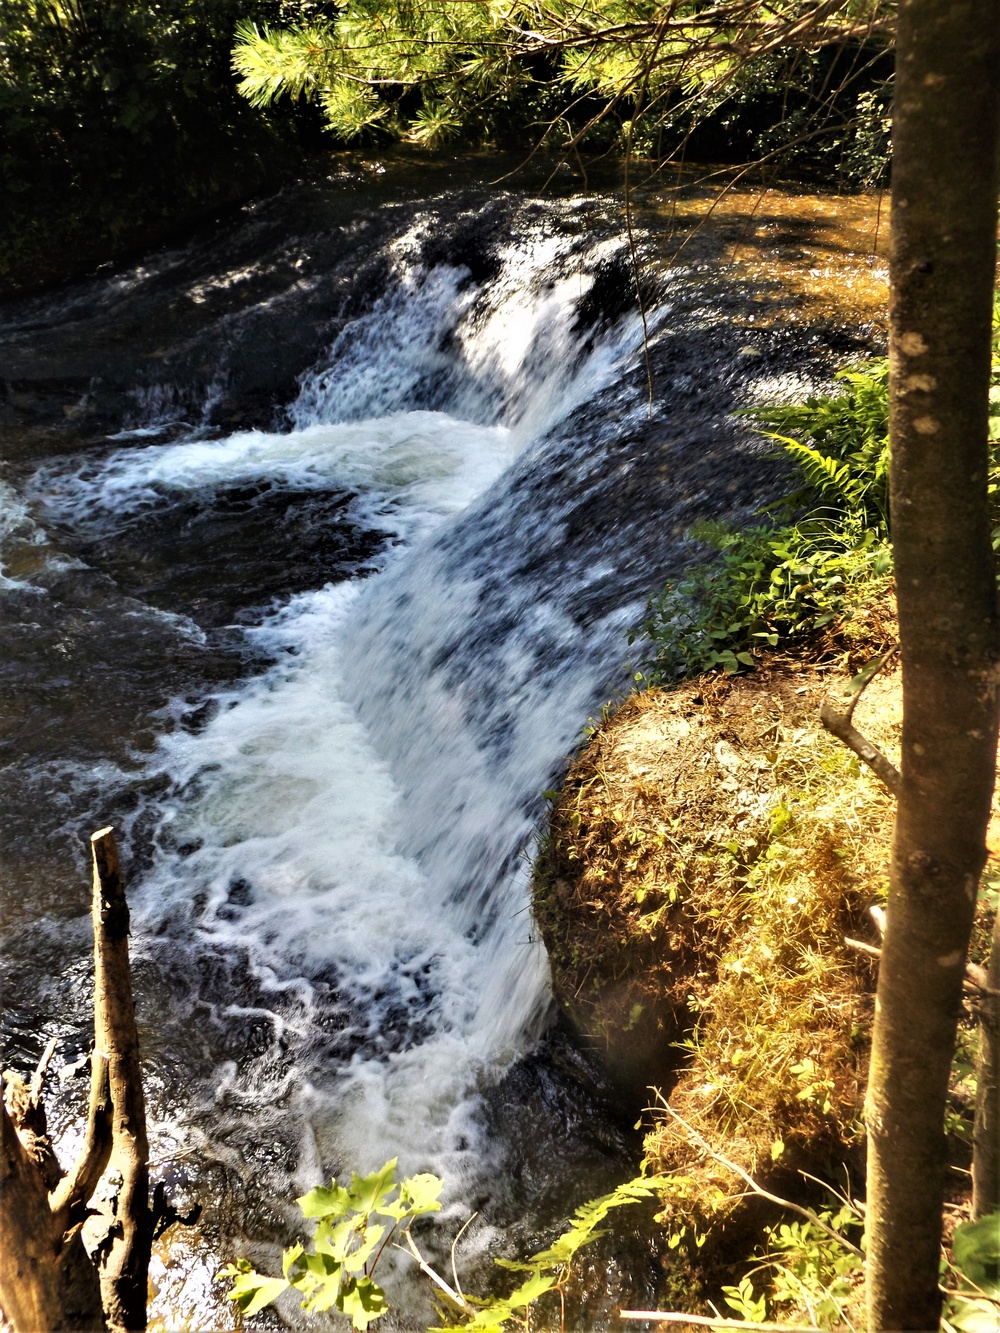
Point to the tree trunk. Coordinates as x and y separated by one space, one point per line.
48 1281
124 1266
986 1136
946 130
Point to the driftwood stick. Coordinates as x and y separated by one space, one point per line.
38 1077
30 1289
47 1281
27 1114
125 1265
838 723
77 1187
709 1321
434 1276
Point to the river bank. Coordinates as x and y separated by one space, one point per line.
711 879
709 851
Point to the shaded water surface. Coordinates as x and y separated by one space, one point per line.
320 540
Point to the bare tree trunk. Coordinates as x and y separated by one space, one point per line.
946 130
125 1264
48 1281
986 1136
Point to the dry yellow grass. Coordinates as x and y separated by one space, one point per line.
709 851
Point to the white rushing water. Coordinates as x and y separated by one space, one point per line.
374 792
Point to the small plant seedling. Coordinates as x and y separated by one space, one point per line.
335 1272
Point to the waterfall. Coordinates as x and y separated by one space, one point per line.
356 821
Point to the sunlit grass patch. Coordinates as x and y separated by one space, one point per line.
708 853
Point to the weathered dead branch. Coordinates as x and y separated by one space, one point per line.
48 1279
125 1262
839 723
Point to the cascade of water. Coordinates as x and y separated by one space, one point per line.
353 821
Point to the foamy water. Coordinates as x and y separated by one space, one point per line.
372 806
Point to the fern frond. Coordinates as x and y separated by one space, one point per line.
829 475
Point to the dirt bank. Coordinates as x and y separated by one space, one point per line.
708 853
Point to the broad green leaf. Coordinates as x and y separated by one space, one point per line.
421 1194
252 1291
368 1193
325 1294
290 1257
491 1320
335 1240
362 1300
357 1259
417 1195
322 1202
321 1266
234 1270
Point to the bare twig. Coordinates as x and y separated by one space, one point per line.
872 950
458 1237
839 724
436 1277
846 1199
709 1321
38 1077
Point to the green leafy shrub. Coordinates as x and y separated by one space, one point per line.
841 443
786 576
336 1270
770 583
808 1268
790 575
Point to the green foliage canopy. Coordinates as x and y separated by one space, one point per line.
428 71
116 116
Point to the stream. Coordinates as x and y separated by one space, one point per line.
320 541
